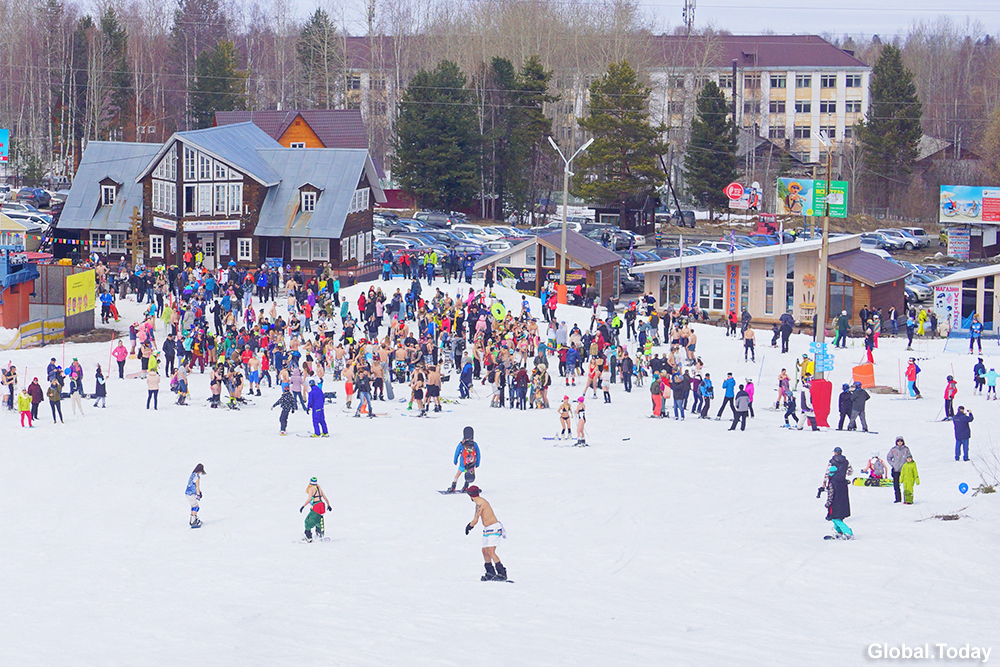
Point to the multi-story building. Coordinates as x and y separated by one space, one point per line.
787 88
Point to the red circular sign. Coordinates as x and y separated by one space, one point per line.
734 190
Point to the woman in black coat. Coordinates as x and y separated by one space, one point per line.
101 392
838 502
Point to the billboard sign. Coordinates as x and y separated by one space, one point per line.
966 203
80 292
749 197
959 241
806 196
4 145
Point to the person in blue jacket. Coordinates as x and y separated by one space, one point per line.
729 386
315 406
465 381
467 460
572 359
707 394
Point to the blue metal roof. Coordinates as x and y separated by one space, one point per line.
119 161
336 172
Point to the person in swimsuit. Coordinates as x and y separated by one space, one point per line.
565 418
418 392
193 493
581 422
318 503
493 532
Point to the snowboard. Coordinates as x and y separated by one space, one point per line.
310 435
449 492
864 481
483 578
838 537
315 539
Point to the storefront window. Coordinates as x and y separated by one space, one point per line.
969 289
841 294
988 303
769 286
789 283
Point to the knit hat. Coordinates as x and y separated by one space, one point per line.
838 450
313 480
473 491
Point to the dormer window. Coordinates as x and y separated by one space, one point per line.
108 193
308 202
297 144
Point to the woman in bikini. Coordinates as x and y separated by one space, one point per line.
565 418
581 422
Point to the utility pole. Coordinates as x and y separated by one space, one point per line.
566 174
824 253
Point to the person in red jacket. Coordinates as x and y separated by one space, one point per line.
950 390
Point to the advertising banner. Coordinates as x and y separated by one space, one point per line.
691 286
733 286
749 199
959 241
966 203
806 196
948 305
80 292
212 225
4 145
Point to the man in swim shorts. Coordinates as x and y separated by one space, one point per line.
493 532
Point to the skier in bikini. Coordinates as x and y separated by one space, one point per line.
493 532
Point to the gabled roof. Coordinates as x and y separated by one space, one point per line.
336 171
236 145
868 268
750 51
968 274
580 249
837 244
336 128
119 161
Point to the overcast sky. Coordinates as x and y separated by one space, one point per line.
885 18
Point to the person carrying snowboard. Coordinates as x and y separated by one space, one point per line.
467 459
493 532
193 493
318 503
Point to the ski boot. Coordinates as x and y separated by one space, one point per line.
452 488
309 536
325 435
490 575
501 572
464 488
314 435
196 523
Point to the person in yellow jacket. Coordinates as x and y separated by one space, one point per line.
921 321
24 407
908 476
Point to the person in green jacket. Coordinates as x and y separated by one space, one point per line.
909 476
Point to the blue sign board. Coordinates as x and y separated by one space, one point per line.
4 145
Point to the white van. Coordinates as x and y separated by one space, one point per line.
919 233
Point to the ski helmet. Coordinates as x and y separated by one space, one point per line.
467 433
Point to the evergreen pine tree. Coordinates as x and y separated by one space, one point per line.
891 132
219 85
623 161
710 158
319 51
437 139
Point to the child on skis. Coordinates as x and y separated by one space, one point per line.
467 459
908 476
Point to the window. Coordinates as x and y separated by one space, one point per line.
828 106
320 250
98 240
676 82
108 195
369 237
675 108
751 106
852 106
751 81
167 168
236 198
828 81
189 164
235 175
360 201
776 107
244 249
700 81
156 245
204 167
344 249
205 199
830 130
853 80
769 286
848 132
378 82
221 172
308 202
803 106
776 132
300 249
164 197
297 144
530 255
803 81
220 199
353 82
779 81
789 283
354 247
841 293
189 199
726 81
803 132
548 257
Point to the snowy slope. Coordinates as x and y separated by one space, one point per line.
663 543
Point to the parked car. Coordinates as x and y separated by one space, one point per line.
39 221
389 225
479 233
918 292
437 219
557 225
683 218
498 246
919 233
881 241
4 192
35 196
910 242
629 284
616 239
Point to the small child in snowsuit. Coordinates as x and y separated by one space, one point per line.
790 405
908 476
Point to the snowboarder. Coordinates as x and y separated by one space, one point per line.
467 457
315 406
976 334
318 503
287 403
493 532
909 476
896 458
844 405
838 503
193 493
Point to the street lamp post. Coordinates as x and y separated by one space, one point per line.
566 174
107 248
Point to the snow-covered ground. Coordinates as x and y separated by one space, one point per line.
662 543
